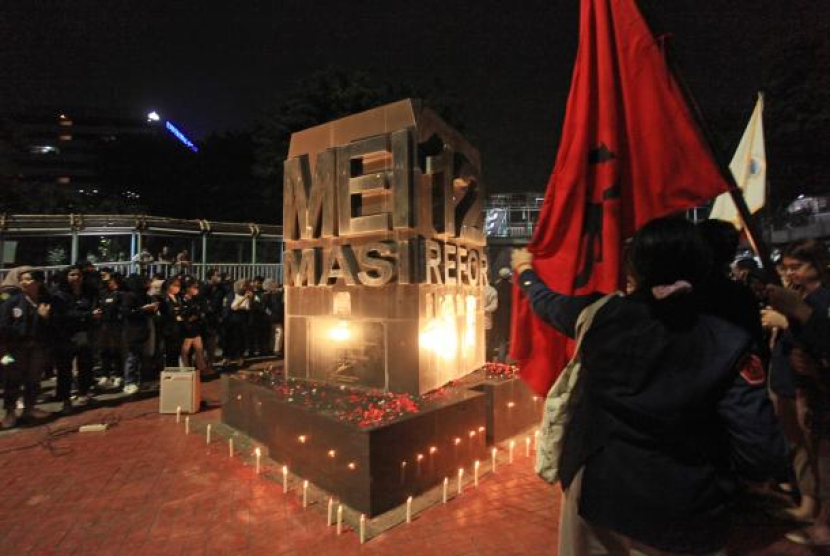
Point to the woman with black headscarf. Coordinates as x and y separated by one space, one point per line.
671 406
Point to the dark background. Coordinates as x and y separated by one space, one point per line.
506 66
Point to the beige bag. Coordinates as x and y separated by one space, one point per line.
559 403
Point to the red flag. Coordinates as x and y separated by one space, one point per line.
630 152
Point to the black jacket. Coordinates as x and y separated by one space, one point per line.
20 323
665 418
215 296
193 312
136 321
73 314
170 314
110 304
274 306
816 333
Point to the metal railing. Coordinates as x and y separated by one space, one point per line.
234 270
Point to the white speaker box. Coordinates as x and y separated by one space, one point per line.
179 388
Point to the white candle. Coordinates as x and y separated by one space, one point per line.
475 473
446 487
527 447
339 518
284 479
331 506
207 435
510 453
495 450
536 440
230 447
409 510
178 414
187 425
362 528
258 453
460 480
305 494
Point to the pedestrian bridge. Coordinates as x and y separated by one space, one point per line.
53 241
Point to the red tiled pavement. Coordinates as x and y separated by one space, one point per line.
144 487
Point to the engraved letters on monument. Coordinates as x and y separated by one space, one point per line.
384 261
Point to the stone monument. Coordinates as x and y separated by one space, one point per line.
384 261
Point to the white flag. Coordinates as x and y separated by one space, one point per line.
749 166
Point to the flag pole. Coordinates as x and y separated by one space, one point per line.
753 234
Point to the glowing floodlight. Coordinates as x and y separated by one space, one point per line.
440 337
341 332
153 116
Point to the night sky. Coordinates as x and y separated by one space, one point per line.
212 66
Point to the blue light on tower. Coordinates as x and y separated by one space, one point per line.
180 136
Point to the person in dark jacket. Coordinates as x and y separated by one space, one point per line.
259 325
815 336
805 264
111 333
137 309
194 319
76 314
723 296
671 407
274 306
213 294
236 312
171 321
24 338
501 318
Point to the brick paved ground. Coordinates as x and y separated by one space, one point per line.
144 487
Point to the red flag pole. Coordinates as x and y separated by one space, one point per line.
751 229
753 233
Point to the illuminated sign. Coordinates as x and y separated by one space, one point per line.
181 136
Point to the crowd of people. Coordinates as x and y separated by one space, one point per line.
98 331
702 378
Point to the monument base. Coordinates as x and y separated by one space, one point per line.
511 406
370 467
372 450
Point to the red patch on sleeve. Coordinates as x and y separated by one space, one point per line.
752 370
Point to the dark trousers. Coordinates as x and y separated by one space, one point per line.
64 357
111 346
209 338
236 328
135 362
172 350
259 330
25 372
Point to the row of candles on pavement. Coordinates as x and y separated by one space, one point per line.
339 513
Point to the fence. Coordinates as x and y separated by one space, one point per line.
234 270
